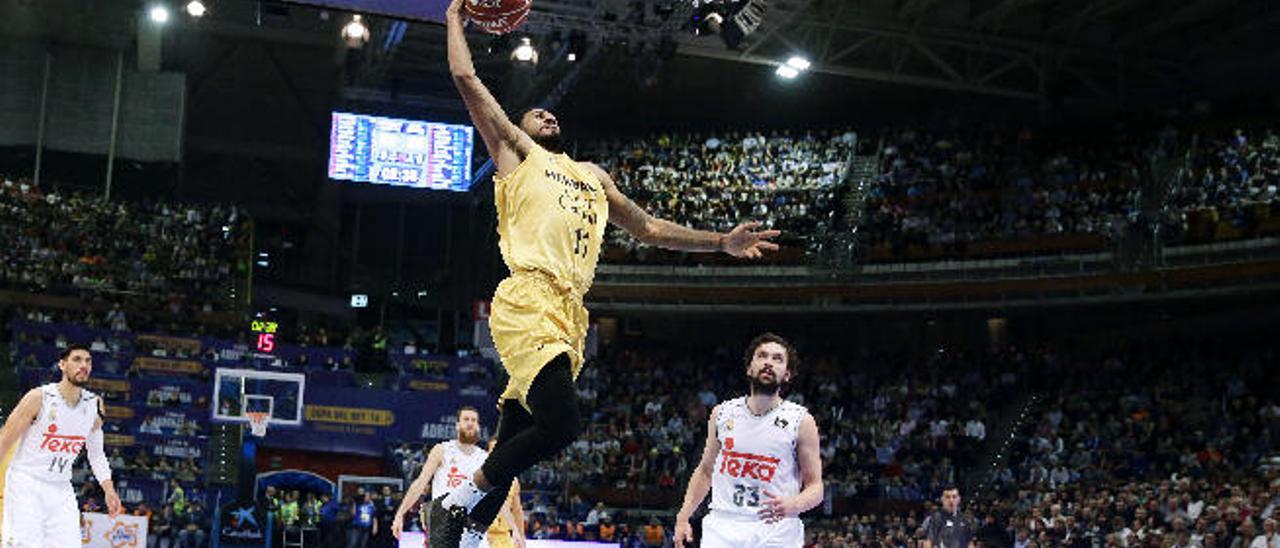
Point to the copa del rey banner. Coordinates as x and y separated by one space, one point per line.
100 531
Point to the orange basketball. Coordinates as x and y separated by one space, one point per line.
497 16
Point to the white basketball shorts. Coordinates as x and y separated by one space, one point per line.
720 530
38 513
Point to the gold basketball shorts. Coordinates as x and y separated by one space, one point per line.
532 321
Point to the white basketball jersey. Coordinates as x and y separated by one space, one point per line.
757 455
456 466
57 436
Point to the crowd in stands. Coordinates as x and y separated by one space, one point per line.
941 190
1233 181
938 190
784 180
361 520
1126 452
948 189
179 259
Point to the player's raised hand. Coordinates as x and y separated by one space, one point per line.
683 533
746 242
454 9
776 508
114 508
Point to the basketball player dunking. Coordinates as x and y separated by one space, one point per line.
761 462
551 219
51 425
448 465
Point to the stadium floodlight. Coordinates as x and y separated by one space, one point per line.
159 14
787 72
572 57
356 33
525 52
196 9
733 20
799 63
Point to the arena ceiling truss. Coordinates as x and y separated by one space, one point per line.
1098 51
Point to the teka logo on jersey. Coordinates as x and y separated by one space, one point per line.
61 444
455 477
746 465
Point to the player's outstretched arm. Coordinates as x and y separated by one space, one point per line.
699 483
809 457
743 241
506 143
420 486
19 421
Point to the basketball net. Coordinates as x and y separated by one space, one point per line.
257 424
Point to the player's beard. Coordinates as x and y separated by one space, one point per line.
761 387
78 383
468 438
553 143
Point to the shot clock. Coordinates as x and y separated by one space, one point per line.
265 333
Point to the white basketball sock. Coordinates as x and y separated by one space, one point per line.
471 539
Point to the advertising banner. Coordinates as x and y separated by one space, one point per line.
366 421
101 531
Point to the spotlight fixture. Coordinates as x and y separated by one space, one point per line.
356 33
799 63
196 9
525 52
159 14
733 20
787 72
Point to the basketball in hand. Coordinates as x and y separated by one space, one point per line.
497 16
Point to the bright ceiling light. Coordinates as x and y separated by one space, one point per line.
788 72
196 9
524 52
799 63
355 32
159 14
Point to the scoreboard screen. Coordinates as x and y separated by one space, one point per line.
390 151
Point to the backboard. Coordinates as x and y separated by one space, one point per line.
237 392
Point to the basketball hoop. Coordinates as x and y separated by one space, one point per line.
257 423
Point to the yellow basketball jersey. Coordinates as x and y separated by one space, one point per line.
551 218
